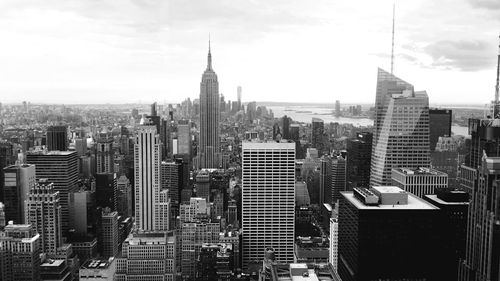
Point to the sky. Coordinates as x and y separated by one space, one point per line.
130 51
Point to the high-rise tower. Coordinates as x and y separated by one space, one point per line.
104 152
401 136
149 205
268 200
209 146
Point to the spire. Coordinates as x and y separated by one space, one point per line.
209 65
392 50
496 102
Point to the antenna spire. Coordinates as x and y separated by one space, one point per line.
496 107
209 64
393 23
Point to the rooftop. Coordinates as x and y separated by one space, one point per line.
414 203
420 171
97 264
52 263
438 200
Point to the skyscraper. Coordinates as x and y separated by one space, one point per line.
109 233
18 180
149 208
124 197
286 127
268 200
401 136
239 90
43 212
209 146
338 177
439 125
184 138
60 168
359 155
318 129
104 152
57 138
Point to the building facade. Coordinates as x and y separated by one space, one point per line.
421 181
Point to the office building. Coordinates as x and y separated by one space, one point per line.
203 185
19 253
55 270
268 200
215 262
147 256
43 213
337 109
61 169
359 155
338 177
445 158
17 182
209 146
109 233
325 180
453 205
98 270
401 136
106 190
184 137
57 138
194 234
286 127
334 243
386 233
195 208
149 207
482 256
440 121
420 182
124 204
104 152
318 129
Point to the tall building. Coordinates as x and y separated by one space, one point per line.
203 185
421 181
453 205
318 129
401 136
439 125
149 207
61 169
286 127
268 200
106 190
325 180
337 109
57 138
334 243
386 233
109 233
147 256
19 253
215 262
43 213
338 177
239 90
209 145
171 178
17 182
104 152
124 201
480 178
359 155
184 137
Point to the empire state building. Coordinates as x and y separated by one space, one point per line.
209 148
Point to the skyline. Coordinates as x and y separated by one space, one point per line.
147 50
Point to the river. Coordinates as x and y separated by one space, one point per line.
305 114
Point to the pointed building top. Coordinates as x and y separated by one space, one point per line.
209 64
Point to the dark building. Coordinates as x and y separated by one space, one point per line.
60 168
359 152
286 127
453 205
338 177
480 177
388 234
215 262
57 138
106 190
439 125
325 180
318 129
276 131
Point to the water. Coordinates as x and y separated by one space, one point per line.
306 114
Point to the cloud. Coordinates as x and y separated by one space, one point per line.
471 55
486 4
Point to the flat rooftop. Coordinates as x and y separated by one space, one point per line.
420 171
97 264
414 203
268 145
436 199
52 263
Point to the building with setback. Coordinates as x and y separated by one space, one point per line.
421 181
401 136
268 200
209 145
61 169
17 182
386 233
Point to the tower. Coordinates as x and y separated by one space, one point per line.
209 146
104 153
268 200
43 212
18 180
147 157
57 138
239 90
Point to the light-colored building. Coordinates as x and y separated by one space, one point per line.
104 152
401 136
194 234
197 206
184 137
421 181
147 256
334 242
43 213
209 146
268 200
98 270
150 207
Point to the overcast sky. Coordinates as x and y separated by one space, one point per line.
97 51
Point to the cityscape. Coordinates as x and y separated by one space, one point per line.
395 188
